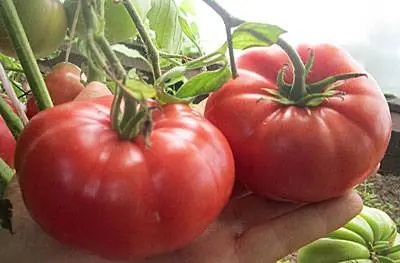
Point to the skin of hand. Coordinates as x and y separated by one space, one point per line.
249 230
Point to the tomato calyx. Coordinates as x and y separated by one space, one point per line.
383 248
302 94
131 117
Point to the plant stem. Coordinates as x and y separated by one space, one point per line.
233 21
12 96
150 47
168 55
96 59
73 28
94 74
6 175
116 110
231 52
12 120
25 54
230 22
111 56
299 89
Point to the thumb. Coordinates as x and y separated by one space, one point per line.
94 89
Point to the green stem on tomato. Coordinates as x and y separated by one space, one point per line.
149 45
127 121
116 110
318 87
299 88
6 176
12 120
25 54
129 111
132 127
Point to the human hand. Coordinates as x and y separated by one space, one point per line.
249 230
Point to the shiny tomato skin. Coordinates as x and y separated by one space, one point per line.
91 190
301 154
63 83
45 25
7 142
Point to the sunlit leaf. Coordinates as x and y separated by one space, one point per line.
164 21
255 34
187 7
139 89
204 83
187 30
128 52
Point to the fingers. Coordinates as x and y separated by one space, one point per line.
279 237
93 90
252 210
200 107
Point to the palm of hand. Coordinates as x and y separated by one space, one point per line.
250 229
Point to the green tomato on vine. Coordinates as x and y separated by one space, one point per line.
118 24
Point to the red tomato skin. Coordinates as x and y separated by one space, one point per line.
63 83
7 141
301 154
7 144
91 190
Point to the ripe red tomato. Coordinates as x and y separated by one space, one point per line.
91 190
63 83
301 153
7 142
45 25
93 90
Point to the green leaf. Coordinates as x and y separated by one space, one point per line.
164 21
255 34
204 83
176 80
139 89
168 62
187 7
205 61
165 98
9 62
128 52
187 30
143 7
